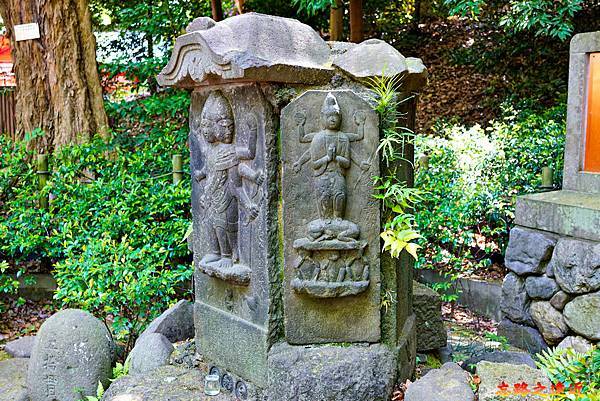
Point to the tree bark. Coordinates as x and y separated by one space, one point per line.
58 85
217 10
336 21
356 21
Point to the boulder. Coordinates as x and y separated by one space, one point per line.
541 287
515 302
524 337
176 323
576 265
427 307
579 344
560 299
331 373
449 383
492 374
512 357
20 348
150 352
582 315
72 353
13 373
550 321
528 251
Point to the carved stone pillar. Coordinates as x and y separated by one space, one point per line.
283 139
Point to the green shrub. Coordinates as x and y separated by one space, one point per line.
115 226
473 178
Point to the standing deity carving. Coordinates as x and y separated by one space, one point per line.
332 262
224 194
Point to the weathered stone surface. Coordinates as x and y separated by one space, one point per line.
579 344
185 355
524 337
384 60
515 302
331 373
330 219
560 299
583 315
528 251
150 352
576 265
569 213
73 352
13 374
176 323
449 383
234 320
541 287
248 47
427 307
163 384
492 374
549 321
20 348
510 357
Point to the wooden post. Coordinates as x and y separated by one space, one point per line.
217 10
336 21
42 172
547 177
356 21
177 169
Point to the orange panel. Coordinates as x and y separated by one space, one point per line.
592 141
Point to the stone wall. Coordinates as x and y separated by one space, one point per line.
552 288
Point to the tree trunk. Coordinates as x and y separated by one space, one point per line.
217 10
336 21
356 21
58 86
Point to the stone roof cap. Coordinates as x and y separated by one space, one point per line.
259 47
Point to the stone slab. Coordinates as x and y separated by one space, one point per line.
521 336
176 323
231 343
21 347
331 373
449 383
492 374
310 182
13 373
568 213
149 353
427 307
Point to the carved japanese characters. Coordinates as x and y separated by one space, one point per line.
332 263
224 194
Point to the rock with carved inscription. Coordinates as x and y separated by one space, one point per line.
73 352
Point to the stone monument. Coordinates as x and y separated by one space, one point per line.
554 250
287 255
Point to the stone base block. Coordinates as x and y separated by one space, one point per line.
331 373
232 344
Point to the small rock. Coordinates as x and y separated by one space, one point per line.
583 315
512 357
427 307
20 348
528 251
550 321
150 352
185 355
541 287
576 265
73 350
13 373
448 383
492 374
579 344
515 302
445 354
176 323
524 337
559 300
